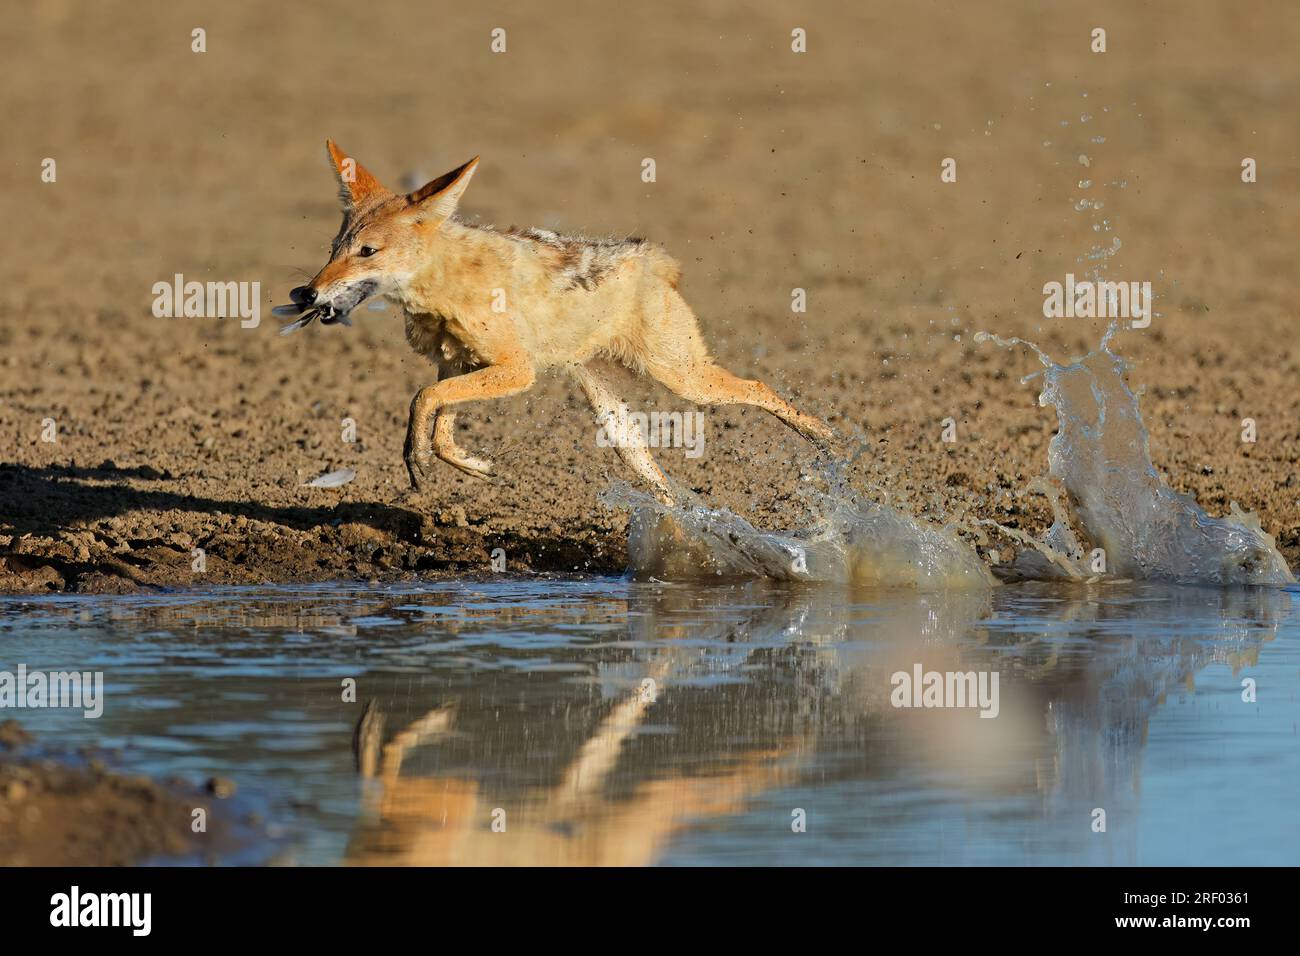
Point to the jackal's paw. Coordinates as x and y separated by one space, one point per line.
826 440
419 464
833 445
469 464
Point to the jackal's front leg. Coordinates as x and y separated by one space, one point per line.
495 381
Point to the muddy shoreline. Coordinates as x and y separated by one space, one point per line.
59 809
346 541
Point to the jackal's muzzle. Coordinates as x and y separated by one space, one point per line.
307 305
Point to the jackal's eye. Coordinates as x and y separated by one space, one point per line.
367 252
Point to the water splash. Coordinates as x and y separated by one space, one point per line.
854 542
1107 498
1111 496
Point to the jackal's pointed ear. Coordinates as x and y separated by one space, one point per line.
442 195
355 181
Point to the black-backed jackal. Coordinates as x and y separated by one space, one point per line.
493 309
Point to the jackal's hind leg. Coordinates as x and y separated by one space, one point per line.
676 356
707 384
627 440
445 447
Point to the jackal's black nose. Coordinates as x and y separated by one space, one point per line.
303 295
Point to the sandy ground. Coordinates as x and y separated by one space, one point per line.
775 171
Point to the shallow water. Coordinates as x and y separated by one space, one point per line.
531 697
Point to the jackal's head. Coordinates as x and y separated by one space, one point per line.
383 242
